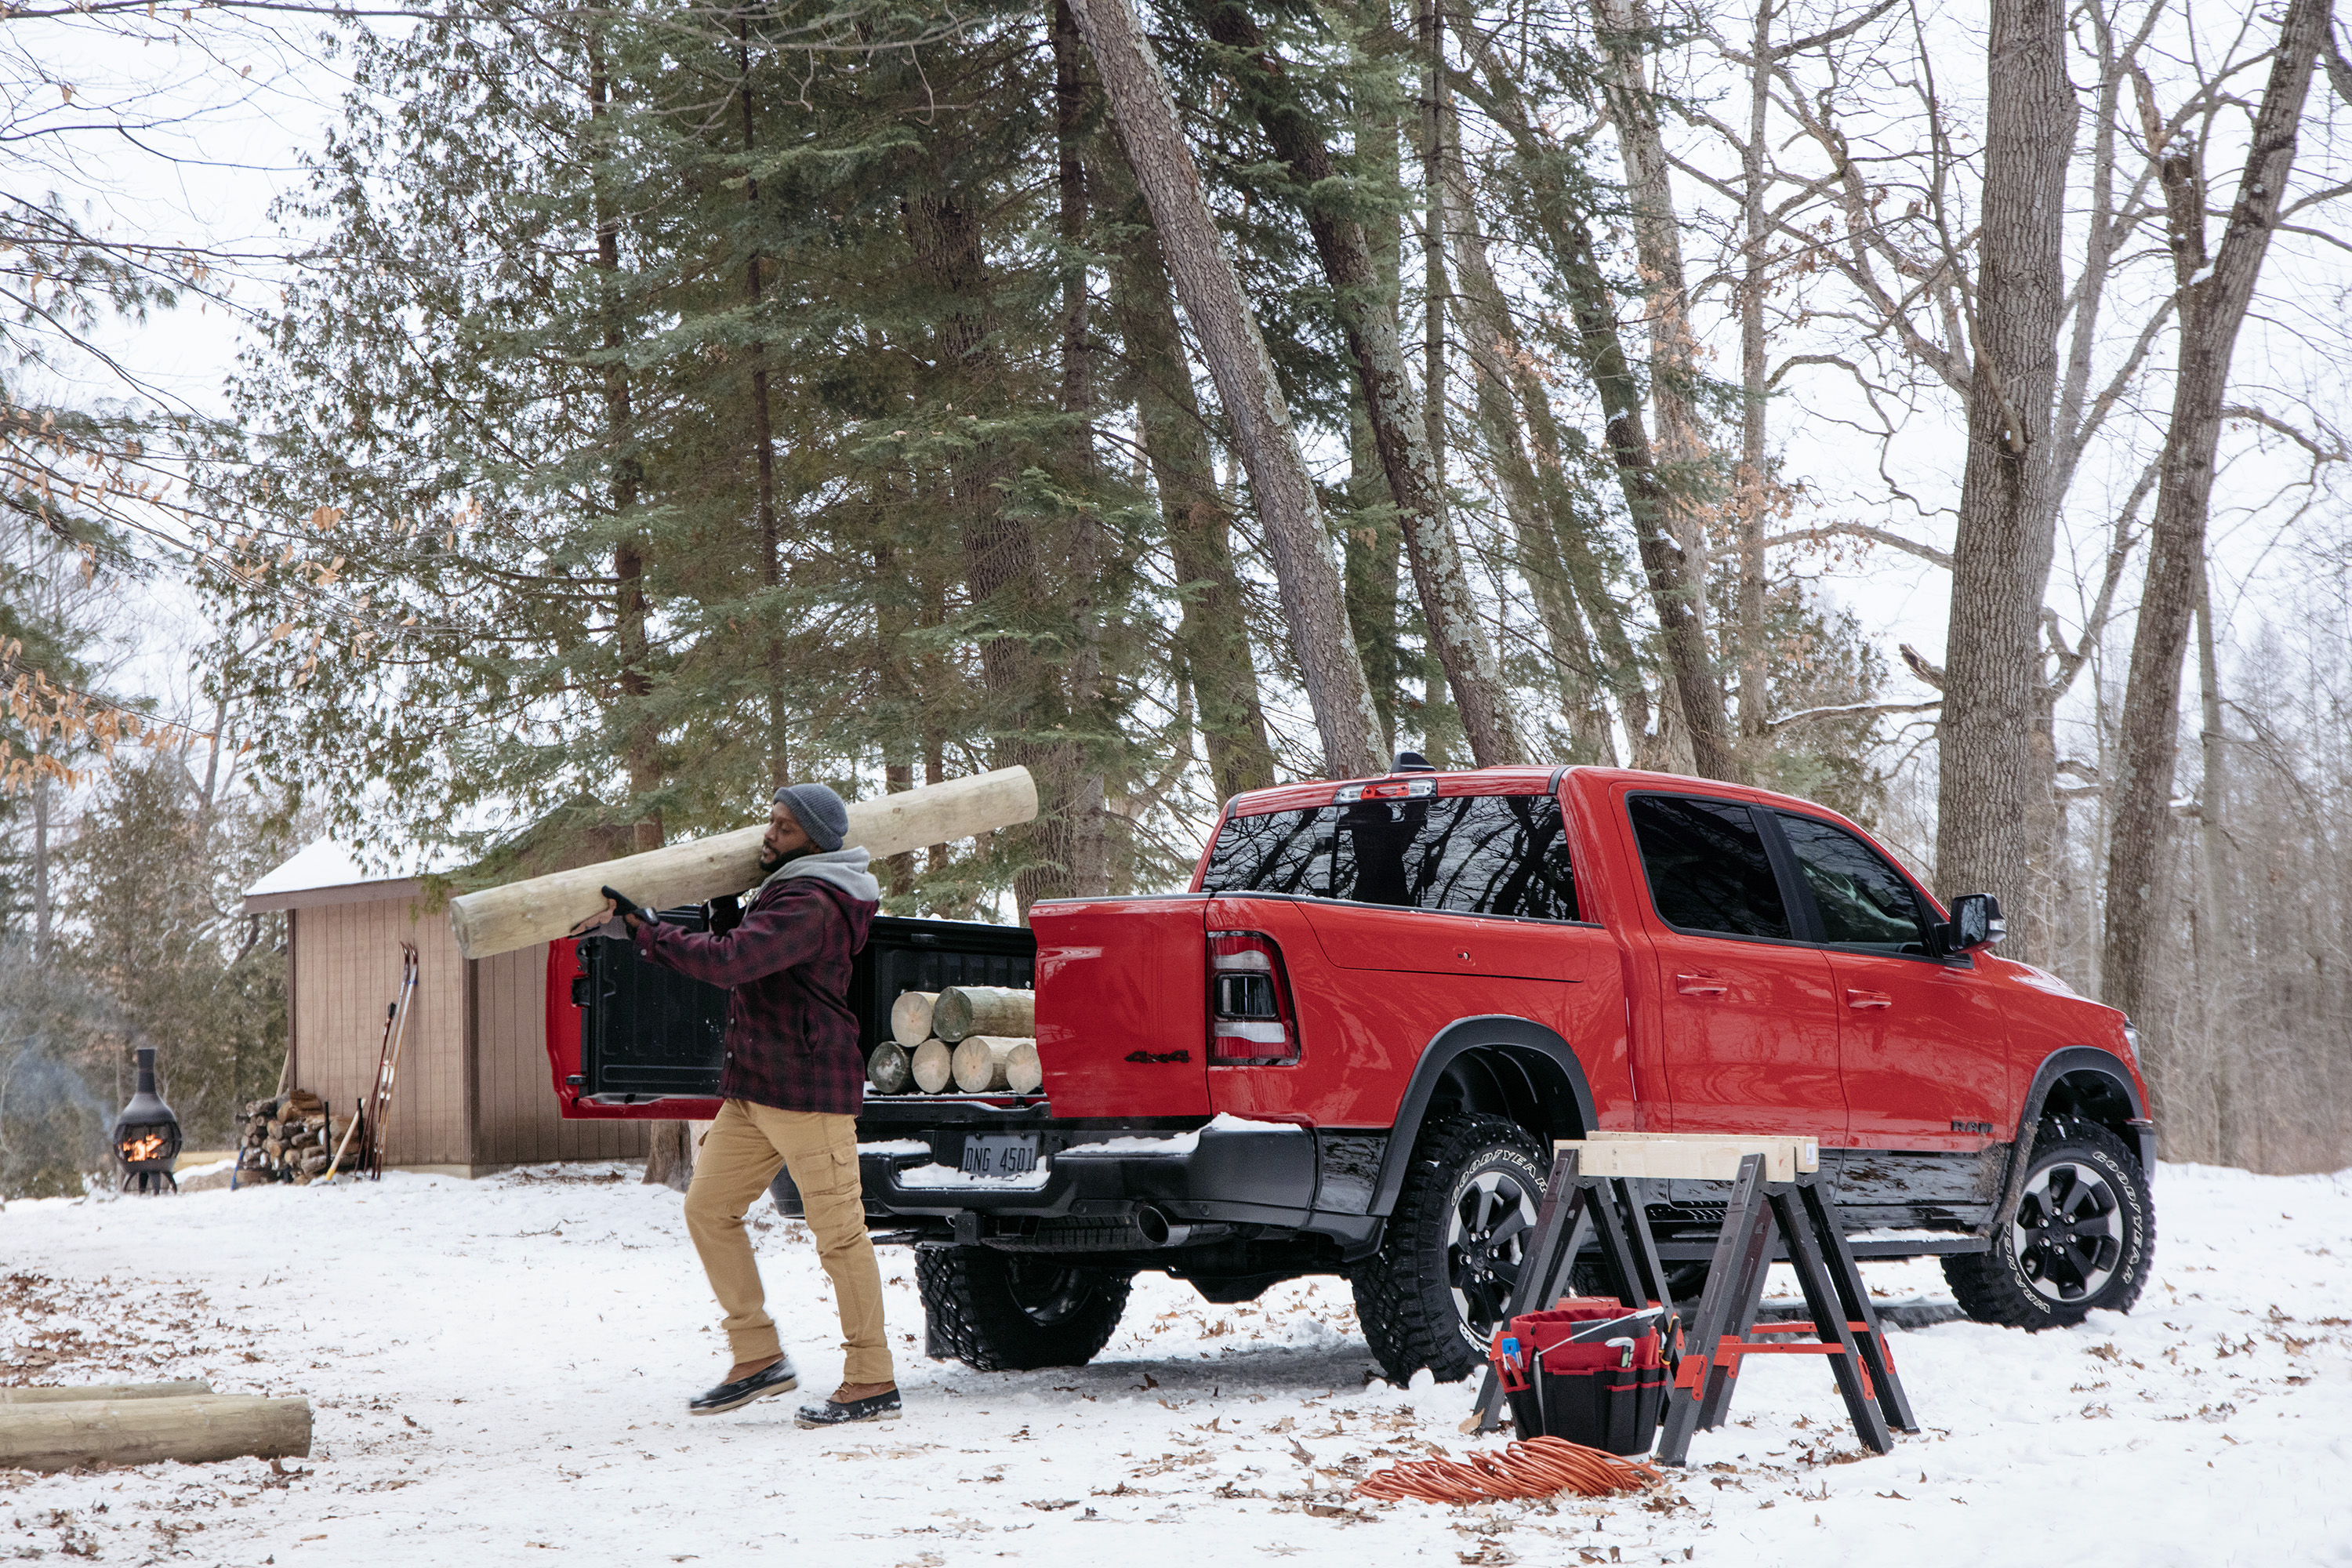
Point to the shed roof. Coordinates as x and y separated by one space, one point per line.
325 872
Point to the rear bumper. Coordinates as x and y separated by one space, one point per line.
1099 1180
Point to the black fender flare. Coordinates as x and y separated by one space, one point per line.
2070 1060
1547 1078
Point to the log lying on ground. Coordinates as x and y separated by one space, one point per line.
891 1069
140 1431
541 909
186 1388
933 1066
963 1010
910 1017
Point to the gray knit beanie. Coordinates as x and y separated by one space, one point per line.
821 813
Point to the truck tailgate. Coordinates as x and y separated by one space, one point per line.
1122 1005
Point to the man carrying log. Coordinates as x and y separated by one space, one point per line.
794 1082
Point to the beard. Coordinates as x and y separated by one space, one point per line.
770 862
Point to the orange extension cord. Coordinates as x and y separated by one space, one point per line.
1537 1468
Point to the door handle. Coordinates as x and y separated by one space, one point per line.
1700 986
1863 999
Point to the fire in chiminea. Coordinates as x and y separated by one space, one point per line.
146 1135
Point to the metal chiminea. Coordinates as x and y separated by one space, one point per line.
147 1135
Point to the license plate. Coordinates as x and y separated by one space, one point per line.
1000 1154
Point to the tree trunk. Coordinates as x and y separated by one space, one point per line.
1493 342
641 738
1370 552
999 549
2213 306
1681 451
1566 234
40 870
1750 499
2007 516
1211 635
1399 418
2217 951
763 453
669 1159
1085 826
1230 341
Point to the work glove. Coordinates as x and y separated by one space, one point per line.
726 914
627 910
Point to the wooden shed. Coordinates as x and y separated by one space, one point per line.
473 1096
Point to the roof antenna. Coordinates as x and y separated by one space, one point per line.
1412 762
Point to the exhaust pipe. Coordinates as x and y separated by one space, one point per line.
1160 1230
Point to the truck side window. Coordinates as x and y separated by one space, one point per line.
1502 855
1488 854
1864 901
1706 864
1274 852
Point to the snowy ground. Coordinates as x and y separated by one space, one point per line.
500 1369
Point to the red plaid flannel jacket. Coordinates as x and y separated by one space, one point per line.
792 1041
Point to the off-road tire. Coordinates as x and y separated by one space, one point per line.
997 1311
2084 1181
1405 1293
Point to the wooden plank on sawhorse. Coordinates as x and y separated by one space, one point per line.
1807 1224
1576 1208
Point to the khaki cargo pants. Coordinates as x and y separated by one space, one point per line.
738 1158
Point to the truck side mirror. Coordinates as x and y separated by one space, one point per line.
1976 922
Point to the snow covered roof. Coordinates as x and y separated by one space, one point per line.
324 867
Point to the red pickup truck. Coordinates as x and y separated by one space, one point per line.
1350 1047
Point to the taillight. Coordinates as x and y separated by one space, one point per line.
1251 1020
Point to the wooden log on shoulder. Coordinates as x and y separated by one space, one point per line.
542 909
964 1010
933 1066
983 1063
890 1068
140 1431
186 1388
910 1017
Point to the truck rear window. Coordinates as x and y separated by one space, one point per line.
1478 854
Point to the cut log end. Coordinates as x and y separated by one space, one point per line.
983 1064
910 1017
933 1067
891 1068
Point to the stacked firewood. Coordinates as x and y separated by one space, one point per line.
294 1137
977 1039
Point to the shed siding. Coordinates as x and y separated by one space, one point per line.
518 1121
346 963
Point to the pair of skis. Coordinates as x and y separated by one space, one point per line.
387 1071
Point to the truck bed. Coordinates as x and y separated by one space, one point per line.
630 1039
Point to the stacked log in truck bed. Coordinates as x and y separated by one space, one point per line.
294 1137
973 1039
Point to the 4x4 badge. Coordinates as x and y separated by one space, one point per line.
1160 1056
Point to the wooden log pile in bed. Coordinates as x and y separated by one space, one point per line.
972 1039
293 1138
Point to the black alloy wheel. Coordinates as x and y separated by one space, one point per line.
2068 1231
1450 1256
1492 1217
